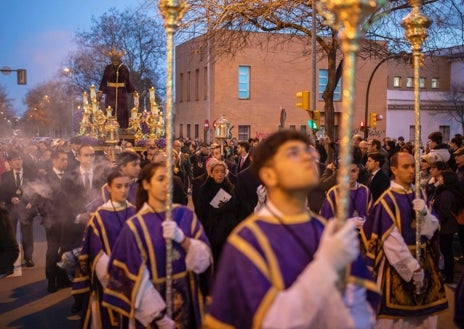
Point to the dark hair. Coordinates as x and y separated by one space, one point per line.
436 137
440 165
147 173
76 140
394 158
269 147
457 141
125 157
13 155
112 176
377 157
377 143
245 145
56 153
450 178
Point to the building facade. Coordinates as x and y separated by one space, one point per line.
252 88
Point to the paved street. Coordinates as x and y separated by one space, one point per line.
26 304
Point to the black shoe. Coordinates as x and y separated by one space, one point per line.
29 263
52 286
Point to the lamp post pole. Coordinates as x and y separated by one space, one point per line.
68 71
403 55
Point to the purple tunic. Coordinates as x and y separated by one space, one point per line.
256 263
99 237
359 206
399 298
141 245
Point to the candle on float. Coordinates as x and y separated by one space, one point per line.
92 92
136 99
85 98
152 94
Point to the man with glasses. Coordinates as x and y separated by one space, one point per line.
279 268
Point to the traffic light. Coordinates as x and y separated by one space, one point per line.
21 76
372 119
303 100
312 125
317 118
362 125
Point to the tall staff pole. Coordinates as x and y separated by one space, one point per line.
415 25
347 15
172 11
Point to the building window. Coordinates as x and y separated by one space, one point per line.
409 82
397 82
181 130
292 127
434 83
323 78
188 130
412 130
421 82
189 81
243 132
205 83
181 88
243 82
197 131
197 84
303 129
445 131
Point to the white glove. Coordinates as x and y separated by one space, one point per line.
418 278
166 323
358 221
172 231
261 192
340 247
419 205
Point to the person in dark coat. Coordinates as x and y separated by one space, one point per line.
378 182
9 249
54 208
217 214
116 84
446 200
19 197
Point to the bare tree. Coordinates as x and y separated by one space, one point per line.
215 20
457 100
139 35
7 113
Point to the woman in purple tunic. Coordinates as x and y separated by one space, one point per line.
137 268
99 239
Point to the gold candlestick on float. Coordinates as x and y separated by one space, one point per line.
415 25
172 11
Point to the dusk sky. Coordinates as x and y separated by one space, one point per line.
37 35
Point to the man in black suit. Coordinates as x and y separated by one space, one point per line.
54 208
19 199
245 191
82 187
378 181
243 158
72 154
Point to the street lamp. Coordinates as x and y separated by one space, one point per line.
68 72
405 56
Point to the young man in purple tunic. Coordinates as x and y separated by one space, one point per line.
412 291
280 267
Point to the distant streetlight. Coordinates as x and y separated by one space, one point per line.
68 71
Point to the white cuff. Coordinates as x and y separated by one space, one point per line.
148 301
198 256
102 269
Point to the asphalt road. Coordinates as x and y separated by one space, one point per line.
26 304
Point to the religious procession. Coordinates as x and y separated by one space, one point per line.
152 230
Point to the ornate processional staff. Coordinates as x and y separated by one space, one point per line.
415 24
349 17
172 11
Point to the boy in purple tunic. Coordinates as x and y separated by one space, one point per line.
137 268
412 291
360 199
279 268
99 238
